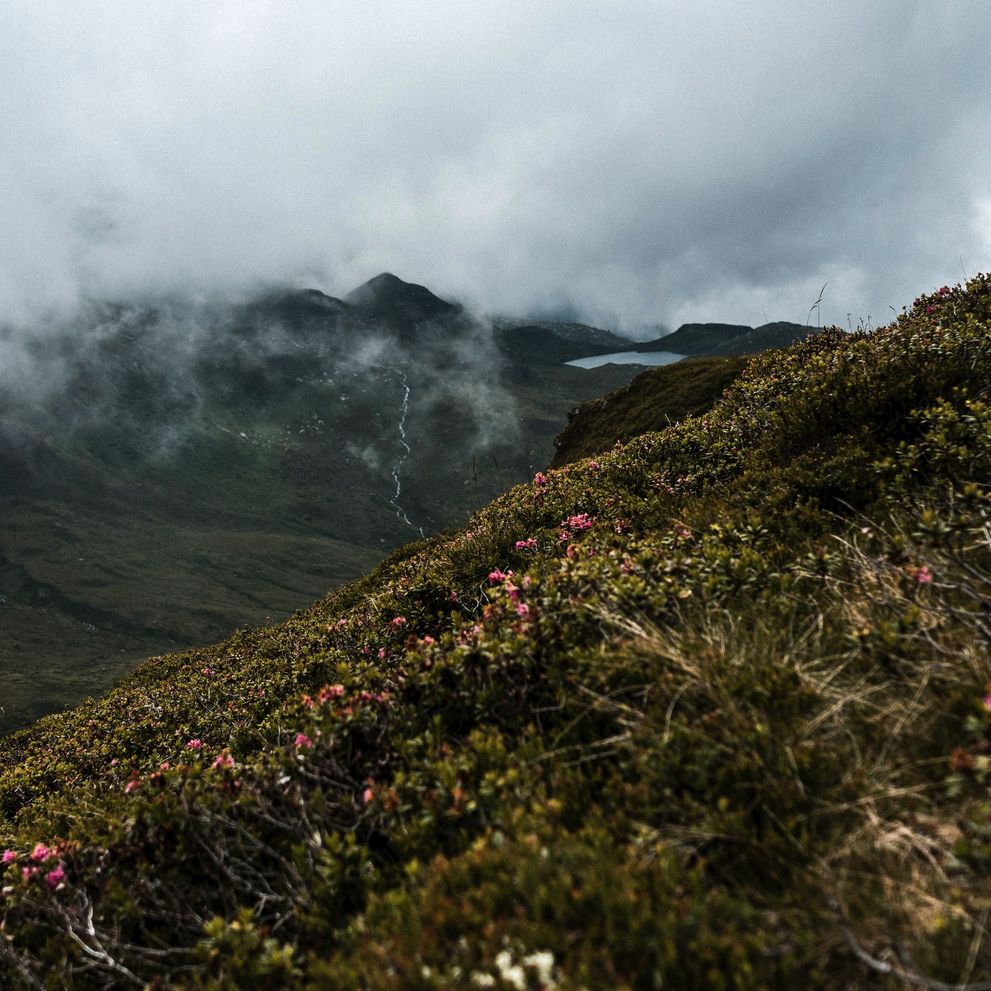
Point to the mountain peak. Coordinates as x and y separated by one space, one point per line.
387 297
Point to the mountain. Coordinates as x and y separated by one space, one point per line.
707 710
699 339
653 400
257 453
300 304
170 472
400 304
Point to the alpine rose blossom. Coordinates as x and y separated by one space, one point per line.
9 856
55 877
303 742
578 522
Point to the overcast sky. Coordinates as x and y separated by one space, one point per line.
645 160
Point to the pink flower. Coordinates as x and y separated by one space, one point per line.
530 544
303 742
539 479
924 576
164 766
523 610
223 759
208 671
987 702
594 465
133 785
41 852
399 621
368 794
196 744
55 877
578 522
381 653
498 575
9 856
329 692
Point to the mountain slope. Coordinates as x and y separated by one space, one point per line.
728 339
170 471
400 304
707 712
652 401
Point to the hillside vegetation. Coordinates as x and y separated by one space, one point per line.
710 339
709 711
225 443
655 398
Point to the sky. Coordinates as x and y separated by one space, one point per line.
640 162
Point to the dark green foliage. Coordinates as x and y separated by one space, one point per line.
708 712
728 339
652 401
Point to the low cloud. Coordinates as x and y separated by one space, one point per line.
646 162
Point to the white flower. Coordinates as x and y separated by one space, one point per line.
543 963
512 974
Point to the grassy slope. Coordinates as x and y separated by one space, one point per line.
652 401
723 726
174 525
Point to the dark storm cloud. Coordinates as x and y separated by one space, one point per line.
646 161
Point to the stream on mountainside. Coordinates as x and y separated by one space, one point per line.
398 466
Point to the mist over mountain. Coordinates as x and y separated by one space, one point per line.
172 468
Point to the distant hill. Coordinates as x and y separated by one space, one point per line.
709 711
698 339
402 304
555 342
300 304
653 400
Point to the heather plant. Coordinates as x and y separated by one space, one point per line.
710 710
